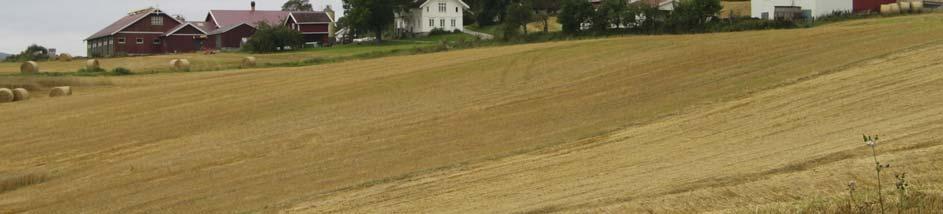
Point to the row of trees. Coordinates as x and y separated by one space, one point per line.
32 53
578 16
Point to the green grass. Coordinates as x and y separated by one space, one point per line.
231 61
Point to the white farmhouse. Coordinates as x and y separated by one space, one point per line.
769 9
432 14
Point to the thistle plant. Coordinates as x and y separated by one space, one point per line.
872 142
901 190
852 186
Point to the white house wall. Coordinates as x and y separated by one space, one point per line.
419 19
817 7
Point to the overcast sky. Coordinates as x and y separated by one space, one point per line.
63 24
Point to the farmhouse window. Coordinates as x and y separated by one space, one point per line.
121 40
453 22
456 9
156 41
442 7
431 22
427 9
139 41
442 22
157 20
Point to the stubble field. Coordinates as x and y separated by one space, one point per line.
733 122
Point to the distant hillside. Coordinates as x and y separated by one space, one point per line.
3 55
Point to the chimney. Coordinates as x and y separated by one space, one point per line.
253 6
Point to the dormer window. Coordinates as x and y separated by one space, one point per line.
157 20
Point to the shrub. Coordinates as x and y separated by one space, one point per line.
32 53
91 70
121 71
438 31
269 39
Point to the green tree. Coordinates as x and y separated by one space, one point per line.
491 12
297 5
518 15
691 15
32 53
573 14
373 15
608 14
269 39
544 10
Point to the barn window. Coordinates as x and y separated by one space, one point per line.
442 7
156 41
139 41
111 42
157 20
121 40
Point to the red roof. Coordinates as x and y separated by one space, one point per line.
310 17
229 18
123 23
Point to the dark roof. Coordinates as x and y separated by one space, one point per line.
122 23
230 18
200 26
309 17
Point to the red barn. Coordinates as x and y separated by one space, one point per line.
140 32
151 31
870 5
315 26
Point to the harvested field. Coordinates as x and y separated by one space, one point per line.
726 122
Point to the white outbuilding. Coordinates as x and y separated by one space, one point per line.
772 9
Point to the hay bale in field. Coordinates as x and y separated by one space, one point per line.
916 6
64 57
92 64
904 6
180 65
20 94
6 95
61 91
29 67
248 62
892 8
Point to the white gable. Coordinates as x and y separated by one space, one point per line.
433 14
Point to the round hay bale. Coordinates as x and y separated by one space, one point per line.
916 6
904 6
885 9
248 62
92 64
180 65
20 94
893 8
29 67
64 57
6 95
61 91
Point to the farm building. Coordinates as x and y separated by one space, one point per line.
427 15
870 5
152 31
768 9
